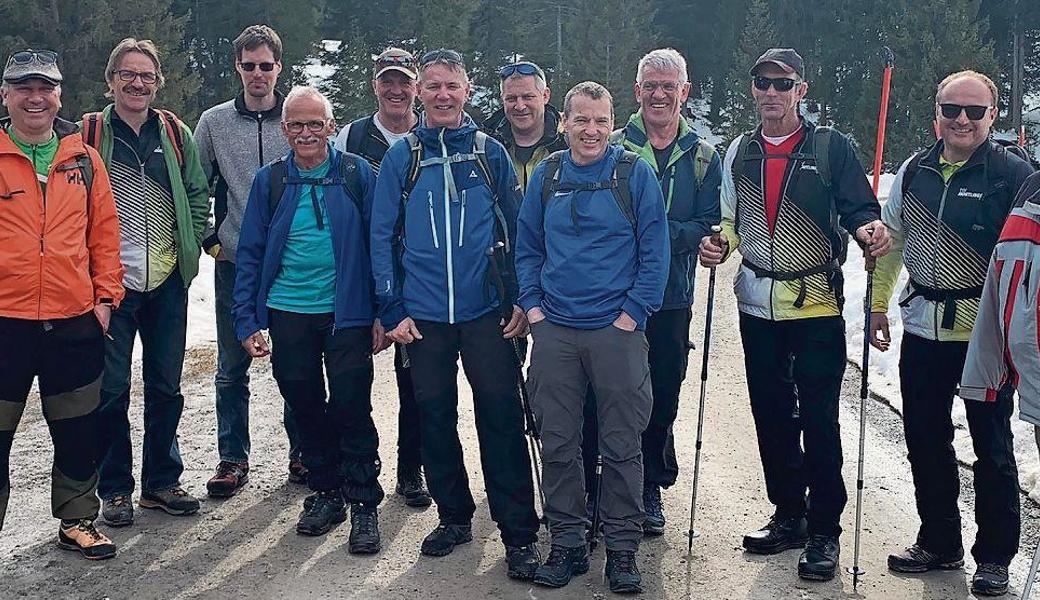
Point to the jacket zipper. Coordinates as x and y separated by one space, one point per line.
462 218
144 196
935 248
433 221
447 231
43 224
260 137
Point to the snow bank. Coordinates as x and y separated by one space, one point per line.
884 369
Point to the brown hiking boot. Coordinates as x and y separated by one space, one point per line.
230 478
83 536
174 501
297 472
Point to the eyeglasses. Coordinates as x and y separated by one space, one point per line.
24 57
780 84
249 67
651 86
147 77
312 126
953 111
523 68
441 55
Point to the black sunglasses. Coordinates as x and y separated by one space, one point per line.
952 111
780 84
403 61
249 67
441 55
24 57
523 68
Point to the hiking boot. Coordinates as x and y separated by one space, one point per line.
364 529
443 539
522 561
174 501
819 560
230 478
778 535
622 572
412 486
916 559
320 512
990 579
82 535
562 564
297 472
118 511
654 522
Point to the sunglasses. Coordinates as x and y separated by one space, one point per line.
24 57
953 111
780 84
523 68
249 67
147 77
441 55
298 126
399 61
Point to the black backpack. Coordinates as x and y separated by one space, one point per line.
618 184
1013 147
348 177
820 154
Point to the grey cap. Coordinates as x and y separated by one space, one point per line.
785 58
32 64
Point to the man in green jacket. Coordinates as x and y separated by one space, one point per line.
163 201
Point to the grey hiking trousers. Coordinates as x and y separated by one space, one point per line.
563 362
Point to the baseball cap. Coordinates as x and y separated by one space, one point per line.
785 58
29 64
395 59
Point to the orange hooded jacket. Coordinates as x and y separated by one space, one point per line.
59 251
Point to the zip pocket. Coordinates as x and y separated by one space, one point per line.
462 218
433 222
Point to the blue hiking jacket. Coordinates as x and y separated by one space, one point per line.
580 259
263 236
440 269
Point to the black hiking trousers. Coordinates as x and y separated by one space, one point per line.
794 370
409 438
929 372
338 440
489 363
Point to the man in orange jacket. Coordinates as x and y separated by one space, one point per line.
60 278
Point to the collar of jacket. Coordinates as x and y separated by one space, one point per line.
499 127
979 156
808 128
61 127
272 114
635 132
431 135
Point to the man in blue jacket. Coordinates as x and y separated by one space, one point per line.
303 273
445 197
592 263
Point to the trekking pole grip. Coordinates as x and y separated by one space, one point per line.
869 262
716 235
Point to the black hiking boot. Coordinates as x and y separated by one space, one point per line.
916 559
522 561
321 511
819 560
654 508
442 540
622 572
364 530
778 535
118 511
411 486
562 564
990 579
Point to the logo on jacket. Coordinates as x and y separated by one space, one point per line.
473 175
74 178
966 193
808 167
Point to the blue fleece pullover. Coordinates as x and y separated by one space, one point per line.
581 260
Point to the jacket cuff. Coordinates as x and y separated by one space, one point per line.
636 311
209 242
980 394
392 316
530 301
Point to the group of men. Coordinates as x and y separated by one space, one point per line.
416 228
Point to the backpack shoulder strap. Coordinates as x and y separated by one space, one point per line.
480 150
738 160
415 146
911 170
356 134
551 176
93 122
821 149
351 178
173 131
617 137
279 177
702 160
621 187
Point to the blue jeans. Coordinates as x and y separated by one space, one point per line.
160 317
232 380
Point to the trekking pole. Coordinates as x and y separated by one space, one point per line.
594 530
868 264
715 230
1032 573
534 438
